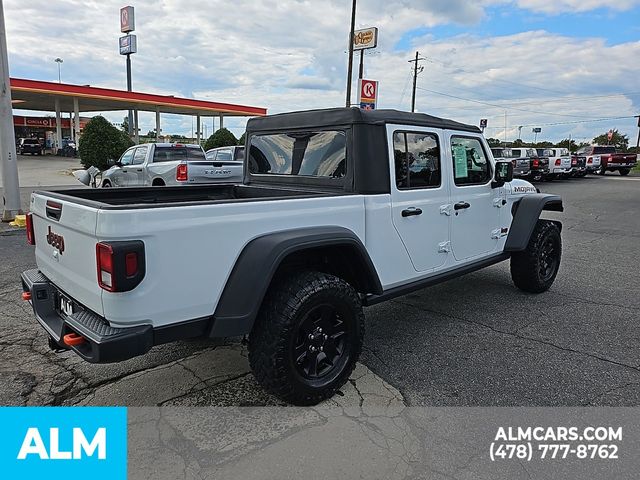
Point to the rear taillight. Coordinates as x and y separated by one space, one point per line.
104 259
181 173
31 237
558 162
120 265
536 163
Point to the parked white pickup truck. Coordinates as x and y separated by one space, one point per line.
160 164
339 209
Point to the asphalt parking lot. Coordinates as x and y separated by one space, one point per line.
473 341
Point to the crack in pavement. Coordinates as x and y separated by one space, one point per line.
522 337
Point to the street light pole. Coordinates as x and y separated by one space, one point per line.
128 90
8 163
350 68
59 61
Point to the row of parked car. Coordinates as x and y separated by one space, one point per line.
160 164
537 164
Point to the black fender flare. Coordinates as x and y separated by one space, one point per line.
258 262
526 213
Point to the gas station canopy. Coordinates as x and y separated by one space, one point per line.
41 96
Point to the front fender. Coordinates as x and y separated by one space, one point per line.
526 213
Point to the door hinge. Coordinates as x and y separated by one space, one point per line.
499 232
445 210
499 202
444 247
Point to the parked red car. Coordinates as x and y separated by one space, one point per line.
610 160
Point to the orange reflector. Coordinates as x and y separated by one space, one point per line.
26 296
72 339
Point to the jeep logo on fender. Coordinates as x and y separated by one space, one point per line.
55 240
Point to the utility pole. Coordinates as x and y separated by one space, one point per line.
638 142
8 163
416 70
505 128
350 67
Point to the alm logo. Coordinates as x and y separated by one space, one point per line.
33 445
63 442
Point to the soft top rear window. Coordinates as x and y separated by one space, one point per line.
173 154
309 153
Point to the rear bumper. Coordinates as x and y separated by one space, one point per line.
612 166
103 343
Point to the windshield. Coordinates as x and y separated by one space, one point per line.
172 154
314 154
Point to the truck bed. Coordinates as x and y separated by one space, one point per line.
154 197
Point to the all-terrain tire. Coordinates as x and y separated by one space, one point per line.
624 171
534 269
287 318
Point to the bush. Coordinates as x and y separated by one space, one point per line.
221 138
101 142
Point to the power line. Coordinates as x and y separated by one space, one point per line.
452 67
603 119
500 106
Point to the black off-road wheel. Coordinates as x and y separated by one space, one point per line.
534 269
624 171
307 337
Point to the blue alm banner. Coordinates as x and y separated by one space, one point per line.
63 442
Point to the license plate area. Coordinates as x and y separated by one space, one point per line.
64 305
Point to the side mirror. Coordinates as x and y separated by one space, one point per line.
504 174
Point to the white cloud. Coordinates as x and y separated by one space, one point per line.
290 55
557 6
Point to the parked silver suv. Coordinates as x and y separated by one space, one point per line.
159 164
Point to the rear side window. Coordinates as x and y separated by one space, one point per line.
470 163
177 154
417 160
597 150
311 154
239 154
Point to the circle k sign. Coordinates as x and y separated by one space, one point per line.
368 90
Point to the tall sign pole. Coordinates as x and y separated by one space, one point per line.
350 67
128 45
8 158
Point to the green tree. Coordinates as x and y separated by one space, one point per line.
242 138
570 144
494 142
518 143
221 138
544 144
619 140
124 126
101 141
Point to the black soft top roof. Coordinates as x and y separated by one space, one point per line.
346 116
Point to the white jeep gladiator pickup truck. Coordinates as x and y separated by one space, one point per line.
339 209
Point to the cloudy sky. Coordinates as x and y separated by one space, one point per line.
562 65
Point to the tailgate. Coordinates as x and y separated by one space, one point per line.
209 172
66 247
